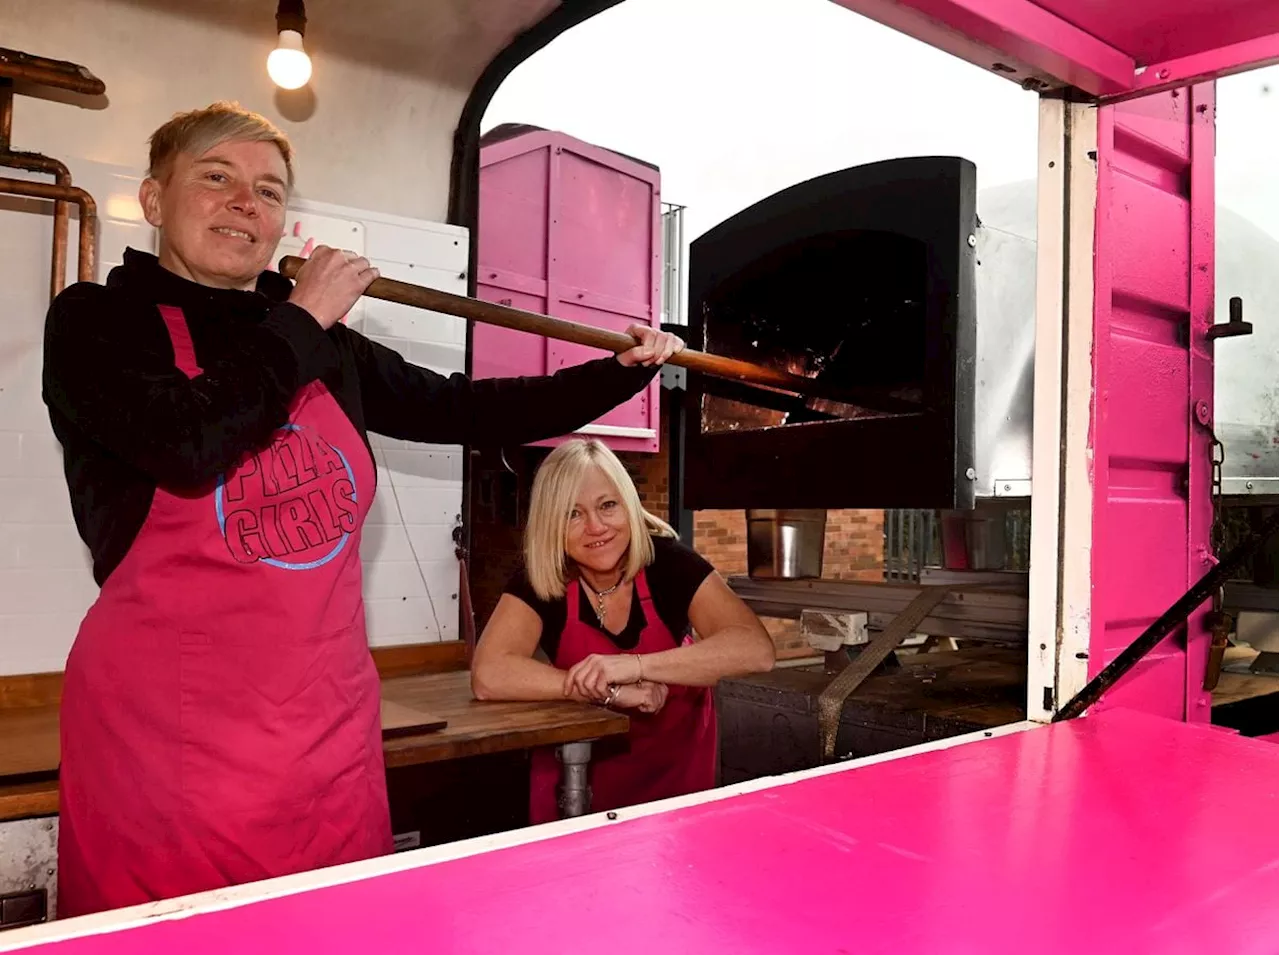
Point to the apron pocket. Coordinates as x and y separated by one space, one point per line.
269 723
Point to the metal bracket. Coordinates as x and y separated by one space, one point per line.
1245 486
673 377
1014 487
1234 326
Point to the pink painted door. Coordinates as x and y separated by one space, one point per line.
1153 381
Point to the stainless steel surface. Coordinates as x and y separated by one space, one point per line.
995 616
1019 488
1259 630
29 858
673 285
1003 376
575 789
785 543
1246 372
986 540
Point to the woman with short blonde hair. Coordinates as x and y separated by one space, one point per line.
609 595
220 712
198 131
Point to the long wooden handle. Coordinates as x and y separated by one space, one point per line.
504 316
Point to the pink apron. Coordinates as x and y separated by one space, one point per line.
669 753
220 714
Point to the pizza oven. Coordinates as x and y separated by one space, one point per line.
863 279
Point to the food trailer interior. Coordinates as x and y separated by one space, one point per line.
1123 296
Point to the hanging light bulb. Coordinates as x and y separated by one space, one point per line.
288 65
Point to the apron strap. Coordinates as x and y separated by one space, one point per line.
184 352
642 587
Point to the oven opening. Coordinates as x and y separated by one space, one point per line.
845 308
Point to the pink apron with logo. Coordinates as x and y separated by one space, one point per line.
220 714
669 753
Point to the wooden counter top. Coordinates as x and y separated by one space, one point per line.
30 751
28 740
25 800
477 728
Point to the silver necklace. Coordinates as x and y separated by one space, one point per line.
600 595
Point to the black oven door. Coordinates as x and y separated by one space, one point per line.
863 279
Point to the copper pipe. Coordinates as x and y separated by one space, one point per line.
63 193
65 75
58 74
6 113
34 162
58 261
45 62
87 247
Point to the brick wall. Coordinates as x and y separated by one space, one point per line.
721 537
854 545
652 472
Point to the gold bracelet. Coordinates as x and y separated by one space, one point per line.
639 667
614 690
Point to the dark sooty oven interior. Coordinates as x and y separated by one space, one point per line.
863 280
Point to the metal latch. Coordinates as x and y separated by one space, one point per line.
1235 324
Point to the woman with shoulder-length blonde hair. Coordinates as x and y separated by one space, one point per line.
608 594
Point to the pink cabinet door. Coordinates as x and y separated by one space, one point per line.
573 231
631 426
502 352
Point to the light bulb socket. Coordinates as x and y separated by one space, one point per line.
291 15
290 40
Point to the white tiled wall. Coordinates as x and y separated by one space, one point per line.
411 574
45 583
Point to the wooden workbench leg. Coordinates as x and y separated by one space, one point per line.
575 789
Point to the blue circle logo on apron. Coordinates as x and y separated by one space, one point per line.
291 505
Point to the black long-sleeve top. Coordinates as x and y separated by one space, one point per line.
129 421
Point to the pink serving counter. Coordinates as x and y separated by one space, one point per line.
1121 832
